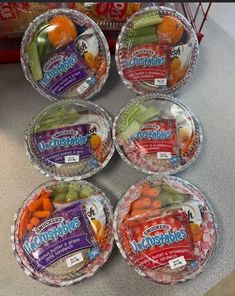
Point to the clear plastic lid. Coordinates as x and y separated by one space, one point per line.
157 134
70 139
156 51
165 229
64 54
63 232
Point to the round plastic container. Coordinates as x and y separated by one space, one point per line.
64 54
157 134
70 139
165 229
63 232
156 51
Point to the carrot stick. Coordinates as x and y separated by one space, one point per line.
141 203
150 192
41 214
156 204
24 220
30 227
36 204
34 221
47 204
139 212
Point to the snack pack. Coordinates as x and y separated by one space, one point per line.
63 232
165 229
156 51
70 139
64 54
157 134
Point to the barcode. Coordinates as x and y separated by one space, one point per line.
83 87
75 259
71 158
177 262
160 81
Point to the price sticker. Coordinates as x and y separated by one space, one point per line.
177 262
71 158
163 155
75 259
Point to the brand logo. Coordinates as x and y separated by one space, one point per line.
155 228
170 237
153 135
52 234
62 142
63 66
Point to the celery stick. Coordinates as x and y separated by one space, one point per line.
142 31
34 61
144 39
132 129
147 20
130 115
148 114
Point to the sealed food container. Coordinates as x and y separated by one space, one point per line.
63 232
64 54
165 228
156 134
156 51
70 139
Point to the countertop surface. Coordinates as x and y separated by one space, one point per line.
210 95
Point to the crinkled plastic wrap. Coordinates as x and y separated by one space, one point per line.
63 232
64 54
157 134
165 229
156 51
70 139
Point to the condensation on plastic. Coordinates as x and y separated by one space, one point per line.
80 19
174 101
72 172
146 88
87 271
123 208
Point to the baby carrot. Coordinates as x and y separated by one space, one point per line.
156 204
30 227
47 204
139 212
34 221
150 192
24 220
141 203
35 205
41 214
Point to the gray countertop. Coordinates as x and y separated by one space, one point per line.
210 95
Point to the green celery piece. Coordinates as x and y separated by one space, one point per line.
146 20
168 188
85 192
130 115
34 61
74 187
148 114
71 196
62 187
142 31
165 198
144 39
180 197
60 197
131 130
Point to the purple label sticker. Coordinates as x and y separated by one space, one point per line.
63 69
63 145
64 232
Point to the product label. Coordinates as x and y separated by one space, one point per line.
147 62
158 136
156 241
64 145
65 231
63 69
177 262
114 11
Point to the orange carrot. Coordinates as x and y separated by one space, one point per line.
24 220
30 227
47 204
156 204
41 214
141 203
150 192
139 212
34 221
35 205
